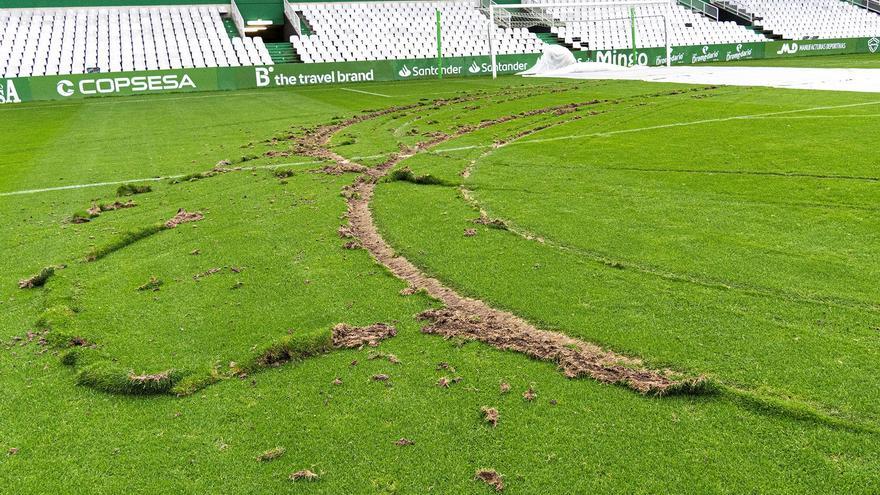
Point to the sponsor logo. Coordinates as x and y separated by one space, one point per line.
474 68
792 48
432 70
136 84
625 59
676 58
788 49
705 55
8 93
739 54
265 76
873 45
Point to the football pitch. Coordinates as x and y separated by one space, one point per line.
690 273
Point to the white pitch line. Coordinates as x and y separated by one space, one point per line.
166 177
365 92
479 146
660 126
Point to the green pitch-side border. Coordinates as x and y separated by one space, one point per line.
27 89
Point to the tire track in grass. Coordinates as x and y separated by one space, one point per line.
765 403
473 319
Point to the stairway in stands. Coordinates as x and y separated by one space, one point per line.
282 53
229 24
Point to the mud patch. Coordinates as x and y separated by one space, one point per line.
348 337
404 442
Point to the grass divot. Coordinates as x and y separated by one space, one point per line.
406 175
152 285
271 454
39 279
490 415
304 475
112 378
491 478
132 189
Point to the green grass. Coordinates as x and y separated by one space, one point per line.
694 247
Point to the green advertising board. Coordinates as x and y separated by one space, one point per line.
293 75
230 78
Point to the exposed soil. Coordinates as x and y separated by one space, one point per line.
470 318
403 442
349 337
206 273
491 478
97 209
183 217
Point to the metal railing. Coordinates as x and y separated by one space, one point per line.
293 18
735 9
237 18
872 5
701 6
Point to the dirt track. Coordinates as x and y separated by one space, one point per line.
470 318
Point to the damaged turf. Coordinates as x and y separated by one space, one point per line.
491 478
349 337
575 358
490 415
183 217
473 319
304 475
39 279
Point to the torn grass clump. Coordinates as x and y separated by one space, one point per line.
291 348
111 378
271 454
37 280
153 285
491 478
132 189
304 475
283 173
406 175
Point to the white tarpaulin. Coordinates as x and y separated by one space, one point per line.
862 80
553 58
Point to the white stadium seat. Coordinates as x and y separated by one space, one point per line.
354 31
36 42
812 19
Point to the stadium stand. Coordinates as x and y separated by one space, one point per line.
402 30
36 42
609 28
811 19
76 40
